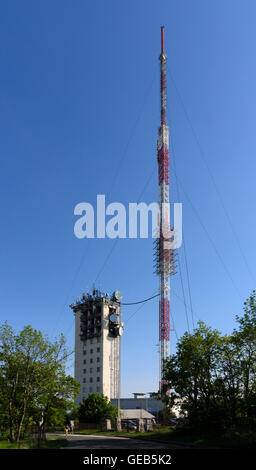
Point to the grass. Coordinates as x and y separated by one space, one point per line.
160 433
52 443
90 431
29 443
169 434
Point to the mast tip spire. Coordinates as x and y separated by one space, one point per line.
162 39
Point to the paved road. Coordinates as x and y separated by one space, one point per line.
94 441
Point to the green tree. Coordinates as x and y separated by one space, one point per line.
244 339
213 376
191 371
33 382
96 409
72 414
165 415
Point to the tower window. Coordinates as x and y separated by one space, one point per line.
98 379
98 349
84 371
98 359
91 380
91 361
91 351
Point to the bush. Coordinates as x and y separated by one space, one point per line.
96 409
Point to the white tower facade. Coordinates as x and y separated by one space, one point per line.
98 330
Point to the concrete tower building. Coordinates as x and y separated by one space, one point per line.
98 330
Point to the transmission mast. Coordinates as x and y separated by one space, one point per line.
163 255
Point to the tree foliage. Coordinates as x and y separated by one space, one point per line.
33 385
213 376
96 409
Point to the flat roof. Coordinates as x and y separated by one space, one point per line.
136 414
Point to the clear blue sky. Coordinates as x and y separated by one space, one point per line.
79 93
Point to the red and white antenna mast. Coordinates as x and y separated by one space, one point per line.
164 257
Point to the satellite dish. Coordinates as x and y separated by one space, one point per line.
113 318
118 295
120 330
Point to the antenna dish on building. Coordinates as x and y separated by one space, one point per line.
117 295
114 318
120 330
